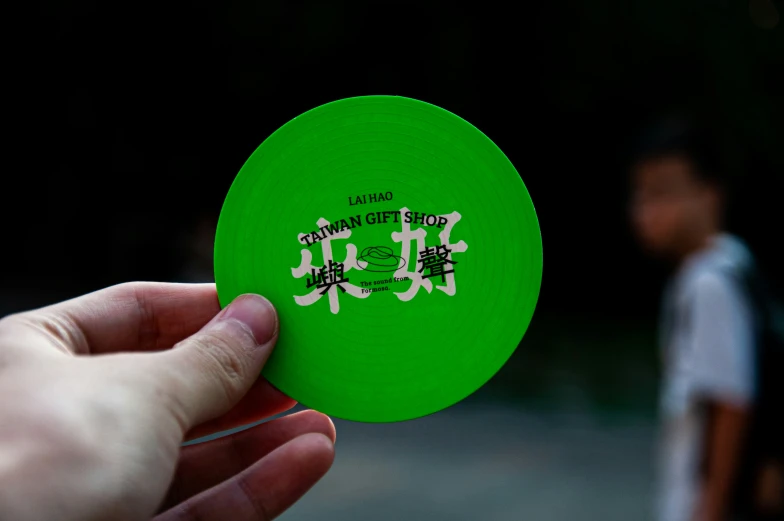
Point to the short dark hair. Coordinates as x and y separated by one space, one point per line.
688 136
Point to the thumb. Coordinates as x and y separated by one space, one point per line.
215 367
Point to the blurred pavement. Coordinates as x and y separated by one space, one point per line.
487 462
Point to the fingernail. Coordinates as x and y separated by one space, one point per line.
257 313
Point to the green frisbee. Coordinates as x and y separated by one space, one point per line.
400 248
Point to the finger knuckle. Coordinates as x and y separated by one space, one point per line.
131 287
224 360
59 328
256 502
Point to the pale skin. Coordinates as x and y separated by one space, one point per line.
98 393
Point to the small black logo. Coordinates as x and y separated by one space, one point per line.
434 260
379 259
326 277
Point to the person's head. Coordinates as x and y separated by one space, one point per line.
677 187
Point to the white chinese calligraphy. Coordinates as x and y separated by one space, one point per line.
417 279
426 266
306 268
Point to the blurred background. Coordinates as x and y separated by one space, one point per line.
135 119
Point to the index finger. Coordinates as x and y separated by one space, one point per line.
134 316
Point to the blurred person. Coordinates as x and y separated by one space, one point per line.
98 393
708 324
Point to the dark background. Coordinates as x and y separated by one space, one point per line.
135 118
138 118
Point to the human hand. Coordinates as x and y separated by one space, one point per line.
95 403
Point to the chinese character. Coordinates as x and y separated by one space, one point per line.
445 253
433 260
324 278
330 276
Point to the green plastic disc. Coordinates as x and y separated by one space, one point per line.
400 248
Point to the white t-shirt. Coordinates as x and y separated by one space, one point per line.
707 345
